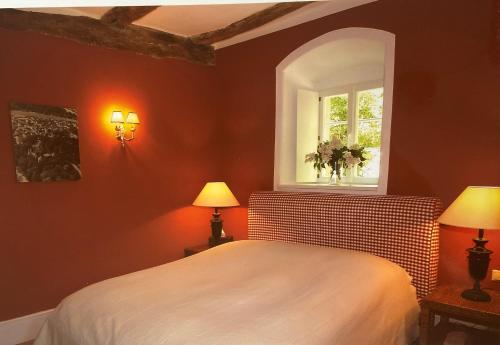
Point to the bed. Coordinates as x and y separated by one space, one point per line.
317 269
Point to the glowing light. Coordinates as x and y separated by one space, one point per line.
216 194
132 118
117 117
476 207
107 115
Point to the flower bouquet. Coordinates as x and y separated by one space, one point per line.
336 155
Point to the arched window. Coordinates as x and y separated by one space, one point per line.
337 86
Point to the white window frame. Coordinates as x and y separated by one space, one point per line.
352 91
284 130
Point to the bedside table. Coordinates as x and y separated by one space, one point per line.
446 302
197 249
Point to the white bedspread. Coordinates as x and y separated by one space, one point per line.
245 292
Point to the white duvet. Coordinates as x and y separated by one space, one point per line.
245 292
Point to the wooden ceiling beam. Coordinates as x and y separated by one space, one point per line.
95 32
251 22
126 15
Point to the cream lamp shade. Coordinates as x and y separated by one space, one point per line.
476 207
117 117
216 194
132 118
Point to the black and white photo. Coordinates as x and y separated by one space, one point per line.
45 140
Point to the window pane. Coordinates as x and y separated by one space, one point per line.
370 103
337 107
369 136
371 167
340 131
369 133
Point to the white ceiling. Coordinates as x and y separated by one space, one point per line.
193 20
94 12
340 62
196 19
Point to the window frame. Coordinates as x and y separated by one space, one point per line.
351 90
285 125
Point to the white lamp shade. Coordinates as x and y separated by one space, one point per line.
117 117
216 194
132 118
476 207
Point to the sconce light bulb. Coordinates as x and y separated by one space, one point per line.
120 127
132 118
117 117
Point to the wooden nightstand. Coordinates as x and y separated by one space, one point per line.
197 249
446 302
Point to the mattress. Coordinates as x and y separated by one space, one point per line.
245 292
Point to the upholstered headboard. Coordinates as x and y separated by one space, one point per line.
403 229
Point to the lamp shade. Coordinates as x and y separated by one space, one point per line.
117 117
216 194
476 207
132 118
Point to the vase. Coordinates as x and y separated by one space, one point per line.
349 173
336 174
334 179
321 179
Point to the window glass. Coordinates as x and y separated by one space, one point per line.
369 105
338 107
364 127
339 131
369 133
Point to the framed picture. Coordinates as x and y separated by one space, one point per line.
45 140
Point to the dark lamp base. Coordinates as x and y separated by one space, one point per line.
216 225
212 241
476 295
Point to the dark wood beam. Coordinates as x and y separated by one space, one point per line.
251 22
123 16
95 32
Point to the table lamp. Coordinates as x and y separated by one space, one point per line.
479 208
216 195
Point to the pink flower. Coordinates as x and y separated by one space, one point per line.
336 143
310 157
350 160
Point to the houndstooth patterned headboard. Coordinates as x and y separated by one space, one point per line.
403 229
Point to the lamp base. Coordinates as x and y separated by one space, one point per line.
476 295
212 241
216 224
479 259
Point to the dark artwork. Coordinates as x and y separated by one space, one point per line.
45 142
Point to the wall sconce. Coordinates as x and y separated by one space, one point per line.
132 120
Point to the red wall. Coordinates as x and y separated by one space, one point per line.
131 208
445 122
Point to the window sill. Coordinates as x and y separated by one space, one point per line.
328 188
